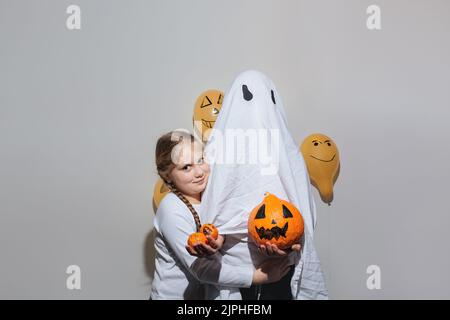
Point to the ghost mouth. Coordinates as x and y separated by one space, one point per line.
208 124
324 160
275 232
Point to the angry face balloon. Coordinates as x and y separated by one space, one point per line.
206 110
322 160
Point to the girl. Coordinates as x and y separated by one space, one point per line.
178 273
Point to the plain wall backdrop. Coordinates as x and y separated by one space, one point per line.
81 112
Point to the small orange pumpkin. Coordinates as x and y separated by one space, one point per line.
210 229
197 238
275 221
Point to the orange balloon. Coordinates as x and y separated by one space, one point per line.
322 160
206 110
159 192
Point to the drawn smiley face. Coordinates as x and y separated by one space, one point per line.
320 147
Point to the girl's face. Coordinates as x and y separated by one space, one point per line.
190 174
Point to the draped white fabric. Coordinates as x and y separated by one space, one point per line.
251 152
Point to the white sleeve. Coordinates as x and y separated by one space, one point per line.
175 224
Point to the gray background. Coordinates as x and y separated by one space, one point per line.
81 112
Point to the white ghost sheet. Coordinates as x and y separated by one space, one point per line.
251 152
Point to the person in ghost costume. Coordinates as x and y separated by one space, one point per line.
251 152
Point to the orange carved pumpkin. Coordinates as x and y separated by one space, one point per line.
196 238
210 229
200 237
275 221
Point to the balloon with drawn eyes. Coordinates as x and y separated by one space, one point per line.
206 110
322 160
275 221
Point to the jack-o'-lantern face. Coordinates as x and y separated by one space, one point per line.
206 110
210 229
159 192
275 221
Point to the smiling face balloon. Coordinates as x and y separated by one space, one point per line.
206 110
322 160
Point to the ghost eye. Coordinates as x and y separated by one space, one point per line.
316 143
273 96
286 212
247 94
261 214
329 144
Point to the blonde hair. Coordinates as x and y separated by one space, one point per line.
164 164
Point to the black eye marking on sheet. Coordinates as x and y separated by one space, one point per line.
275 232
273 96
247 94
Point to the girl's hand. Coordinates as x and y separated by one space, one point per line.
272 250
271 270
202 250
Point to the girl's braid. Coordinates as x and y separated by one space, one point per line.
187 203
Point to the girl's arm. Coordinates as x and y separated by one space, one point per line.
176 226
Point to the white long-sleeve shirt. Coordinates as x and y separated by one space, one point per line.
178 275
